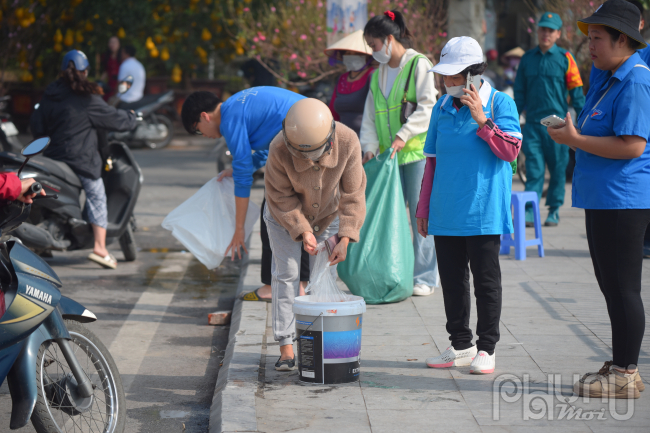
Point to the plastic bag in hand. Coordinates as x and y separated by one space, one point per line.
322 281
205 223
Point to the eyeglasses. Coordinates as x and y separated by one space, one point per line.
196 130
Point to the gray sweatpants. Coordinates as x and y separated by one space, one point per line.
285 275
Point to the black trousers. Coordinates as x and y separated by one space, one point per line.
481 253
267 254
615 239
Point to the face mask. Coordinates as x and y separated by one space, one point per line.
354 63
316 154
455 91
122 88
381 56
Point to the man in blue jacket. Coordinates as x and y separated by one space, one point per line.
248 121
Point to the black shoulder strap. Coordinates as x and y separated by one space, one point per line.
408 79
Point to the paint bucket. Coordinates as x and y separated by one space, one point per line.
329 339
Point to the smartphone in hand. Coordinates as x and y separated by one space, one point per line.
473 79
553 121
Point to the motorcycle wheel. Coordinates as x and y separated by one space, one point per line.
127 243
54 412
159 144
521 167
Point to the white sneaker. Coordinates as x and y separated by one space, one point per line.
453 358
423 290
482 363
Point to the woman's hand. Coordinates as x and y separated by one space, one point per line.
340 251
397 145
472 100
367 157
309 241
423 226
566 134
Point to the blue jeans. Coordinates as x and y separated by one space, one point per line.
424 251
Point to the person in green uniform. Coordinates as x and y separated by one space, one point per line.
546 74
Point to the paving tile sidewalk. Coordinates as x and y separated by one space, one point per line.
554 322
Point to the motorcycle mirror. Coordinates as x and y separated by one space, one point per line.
34 148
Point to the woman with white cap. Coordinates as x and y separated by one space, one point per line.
349 96
315 188
396 116
465 199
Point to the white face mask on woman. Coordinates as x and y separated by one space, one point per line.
354 63
383 55
455 91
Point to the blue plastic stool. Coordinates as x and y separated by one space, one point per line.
519 200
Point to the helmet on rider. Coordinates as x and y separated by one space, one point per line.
78 58
309 129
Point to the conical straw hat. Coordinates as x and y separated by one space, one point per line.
352 42
515 52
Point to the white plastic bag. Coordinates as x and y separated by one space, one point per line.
205 223
322 280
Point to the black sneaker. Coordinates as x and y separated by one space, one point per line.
286 365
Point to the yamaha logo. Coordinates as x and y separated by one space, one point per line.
38 294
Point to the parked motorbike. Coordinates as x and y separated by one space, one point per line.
59 225
8 132
59 373
156 130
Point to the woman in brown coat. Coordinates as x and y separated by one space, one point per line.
315 188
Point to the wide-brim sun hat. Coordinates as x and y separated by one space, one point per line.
619 15
352 42
457 55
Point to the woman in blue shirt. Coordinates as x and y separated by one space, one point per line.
611 182
465 200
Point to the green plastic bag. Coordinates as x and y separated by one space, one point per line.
380 266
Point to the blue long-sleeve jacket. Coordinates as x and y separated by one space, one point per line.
250 119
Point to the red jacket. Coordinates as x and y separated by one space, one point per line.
10 186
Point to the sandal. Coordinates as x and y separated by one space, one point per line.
254 296
107 262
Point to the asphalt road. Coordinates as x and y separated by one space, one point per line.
153 312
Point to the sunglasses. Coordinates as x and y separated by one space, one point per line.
196 130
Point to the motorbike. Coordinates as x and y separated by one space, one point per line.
156 130
60 375
8 132
59 225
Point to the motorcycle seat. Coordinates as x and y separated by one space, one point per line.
60 170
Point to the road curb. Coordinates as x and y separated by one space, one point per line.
233 403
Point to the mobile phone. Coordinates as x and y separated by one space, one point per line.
553 121
331 243
473 79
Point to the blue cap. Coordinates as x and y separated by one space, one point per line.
78 58
550 20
